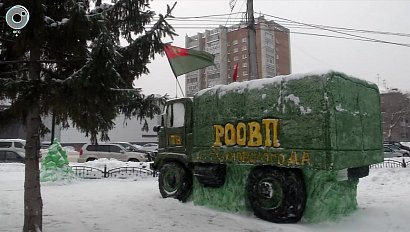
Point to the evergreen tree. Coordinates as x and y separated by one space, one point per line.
69 60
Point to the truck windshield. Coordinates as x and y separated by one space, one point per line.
175 115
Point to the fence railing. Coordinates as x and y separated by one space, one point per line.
129 172
389 163
119 172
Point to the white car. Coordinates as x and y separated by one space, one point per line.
390 153
9 155
128 146
72 154
150 147
91 152
14 144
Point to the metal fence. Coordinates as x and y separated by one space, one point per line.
130 172
389 163
119 172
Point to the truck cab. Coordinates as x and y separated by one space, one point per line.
175 146
175 132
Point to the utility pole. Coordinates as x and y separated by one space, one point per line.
253 69
53 127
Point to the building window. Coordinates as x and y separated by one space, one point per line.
244 48
244 56
235 58
229 60
245 65
245 73
235 50
235 42
243 40
227 44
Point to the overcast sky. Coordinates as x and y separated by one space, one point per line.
365 60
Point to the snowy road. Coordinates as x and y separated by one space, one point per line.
136 205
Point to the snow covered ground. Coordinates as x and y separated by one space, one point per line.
130 205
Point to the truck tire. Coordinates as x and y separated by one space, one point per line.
175 181
277 195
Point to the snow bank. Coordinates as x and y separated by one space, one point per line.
124 205
112 163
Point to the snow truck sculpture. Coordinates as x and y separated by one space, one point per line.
283 147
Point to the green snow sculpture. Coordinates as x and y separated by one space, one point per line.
288 148
54 166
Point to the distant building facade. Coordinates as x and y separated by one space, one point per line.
230 47
13 129
125 130
395 107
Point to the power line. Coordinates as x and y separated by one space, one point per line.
339 32
214 19
364 39
207 16
291 26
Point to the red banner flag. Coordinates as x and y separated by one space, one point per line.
235 72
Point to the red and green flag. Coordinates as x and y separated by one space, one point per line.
184 60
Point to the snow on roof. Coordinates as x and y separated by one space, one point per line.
239 87
258 84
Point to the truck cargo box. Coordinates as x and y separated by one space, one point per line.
324 121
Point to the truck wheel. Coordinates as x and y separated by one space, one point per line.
175 181
277 195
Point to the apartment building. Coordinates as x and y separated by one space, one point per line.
230 47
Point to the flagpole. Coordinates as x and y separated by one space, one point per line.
176 87
180 88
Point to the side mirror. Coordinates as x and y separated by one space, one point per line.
156 128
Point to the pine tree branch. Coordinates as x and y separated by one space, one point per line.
156 28
12 72
38 61
126 90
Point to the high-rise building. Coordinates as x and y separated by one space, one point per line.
230 47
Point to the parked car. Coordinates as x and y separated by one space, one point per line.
72 154
10 155
401 145
128 146
390 153
150 147
91 152
135 148
13 144
397 148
